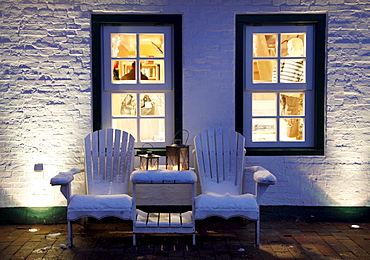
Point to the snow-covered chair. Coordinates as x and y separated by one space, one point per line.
108 165
220 157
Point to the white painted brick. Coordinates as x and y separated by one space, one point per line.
45 91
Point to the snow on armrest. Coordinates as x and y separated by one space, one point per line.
261 175
64 177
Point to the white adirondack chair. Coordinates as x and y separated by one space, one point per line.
220 157
108 165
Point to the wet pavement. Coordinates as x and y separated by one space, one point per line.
216 239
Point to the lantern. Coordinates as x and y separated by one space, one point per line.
177 156
149 161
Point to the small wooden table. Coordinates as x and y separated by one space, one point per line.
144 222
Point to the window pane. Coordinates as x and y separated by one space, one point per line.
123 70
152 130
263 71
128 125
124 104
264 104
264 45
263 129
153 70
123 45
291 129
152 45
292 70
292 104
293 45
152 104
137 91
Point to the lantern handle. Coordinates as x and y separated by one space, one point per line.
142 147
187 138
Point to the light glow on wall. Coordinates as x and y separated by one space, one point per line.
58 150
348 188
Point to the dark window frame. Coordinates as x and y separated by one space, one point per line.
319 20
97 21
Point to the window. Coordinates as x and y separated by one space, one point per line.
137 76
137 82
280 79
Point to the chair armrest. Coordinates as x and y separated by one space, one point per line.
64 178
261 175
263 179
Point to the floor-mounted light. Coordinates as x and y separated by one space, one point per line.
354 226
177 154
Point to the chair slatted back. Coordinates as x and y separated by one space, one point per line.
108 161
221 159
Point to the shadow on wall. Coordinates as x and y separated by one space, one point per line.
313 182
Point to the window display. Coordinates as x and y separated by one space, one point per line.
278 56
138 58
264 115
152 104
264 46
138 84
126 53
152 130
123 45
152 45
280 82
264 104
266 58
292 70
125 115
153 69
291 104
263 129
126 124
124 104
291 129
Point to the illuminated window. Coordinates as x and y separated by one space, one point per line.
133 51
139 80
280 83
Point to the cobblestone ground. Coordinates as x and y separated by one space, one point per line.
216 239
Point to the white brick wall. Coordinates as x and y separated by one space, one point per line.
45 93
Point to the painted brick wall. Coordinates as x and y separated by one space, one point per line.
45 93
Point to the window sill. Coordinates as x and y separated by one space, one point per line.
283 151
157 151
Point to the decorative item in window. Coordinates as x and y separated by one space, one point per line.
177 154
292 104
128 105
149 161
147 106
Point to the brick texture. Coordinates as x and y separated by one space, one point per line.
45 93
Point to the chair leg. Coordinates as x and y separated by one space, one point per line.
194 239
70 234
134 239
258 233
84 221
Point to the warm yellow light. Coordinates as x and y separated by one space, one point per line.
175 167
349 188
33 230
355 226
35 189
